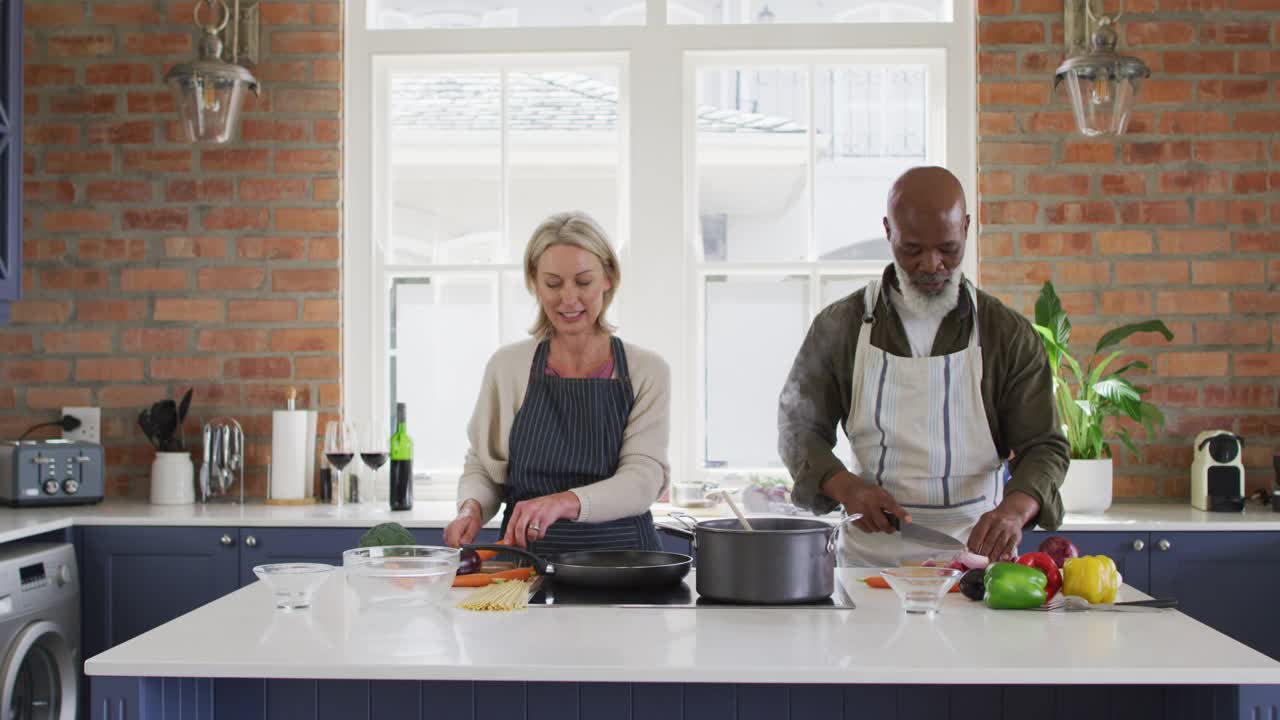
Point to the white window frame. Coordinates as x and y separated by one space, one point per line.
661 213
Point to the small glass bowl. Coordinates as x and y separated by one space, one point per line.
293 583
921 589
401 575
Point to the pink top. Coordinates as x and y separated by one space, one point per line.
604 373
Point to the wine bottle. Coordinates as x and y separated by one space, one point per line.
401 464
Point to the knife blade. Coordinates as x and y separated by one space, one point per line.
922 535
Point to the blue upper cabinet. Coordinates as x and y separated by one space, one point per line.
10 156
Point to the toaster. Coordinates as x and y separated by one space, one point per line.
50 472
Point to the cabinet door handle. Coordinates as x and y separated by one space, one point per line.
251 541
1164 545
226 540
1138 545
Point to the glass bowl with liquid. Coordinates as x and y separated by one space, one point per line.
400 575
921 589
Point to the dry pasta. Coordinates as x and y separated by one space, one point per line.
500 596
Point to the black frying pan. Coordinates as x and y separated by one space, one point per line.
606 568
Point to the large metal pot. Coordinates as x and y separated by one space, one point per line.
778 561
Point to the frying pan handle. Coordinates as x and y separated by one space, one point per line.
544 567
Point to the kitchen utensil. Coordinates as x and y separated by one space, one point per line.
400 575
292 584
1073 603
226 460
605 568
728 498
202 480
921 535
779 561
921 589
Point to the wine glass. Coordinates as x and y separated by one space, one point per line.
374 454
339 448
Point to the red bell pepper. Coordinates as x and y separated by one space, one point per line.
1044 563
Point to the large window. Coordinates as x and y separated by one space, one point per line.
741 173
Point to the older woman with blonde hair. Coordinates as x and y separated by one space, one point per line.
570 429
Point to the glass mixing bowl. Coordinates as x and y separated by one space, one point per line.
921 589
292 584
400 575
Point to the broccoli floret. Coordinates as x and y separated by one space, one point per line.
387 534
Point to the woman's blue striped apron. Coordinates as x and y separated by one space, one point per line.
567 434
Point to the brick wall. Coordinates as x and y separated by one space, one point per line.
1178 220
153 265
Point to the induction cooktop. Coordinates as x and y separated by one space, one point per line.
550 594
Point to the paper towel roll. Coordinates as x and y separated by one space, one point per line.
293 452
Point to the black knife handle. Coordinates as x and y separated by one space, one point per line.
894 520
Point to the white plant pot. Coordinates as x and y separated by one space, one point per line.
1087 487
172 479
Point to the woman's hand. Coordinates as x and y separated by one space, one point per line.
531 518
465 527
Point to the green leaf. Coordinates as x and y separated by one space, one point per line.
1138 364
1096 373
1051 347
1114 336
1062 329
1116 389
1048 306
1128 442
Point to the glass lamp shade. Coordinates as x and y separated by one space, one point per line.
1103 85
1101 102
209 95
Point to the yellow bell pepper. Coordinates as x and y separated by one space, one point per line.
1092 577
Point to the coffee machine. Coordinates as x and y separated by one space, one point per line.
1217 472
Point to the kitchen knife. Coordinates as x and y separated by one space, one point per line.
922 535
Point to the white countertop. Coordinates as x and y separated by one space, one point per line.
241 635
17 523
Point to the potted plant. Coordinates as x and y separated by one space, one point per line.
1085 396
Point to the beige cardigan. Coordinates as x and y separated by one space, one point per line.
643 470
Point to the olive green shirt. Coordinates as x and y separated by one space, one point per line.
1017 394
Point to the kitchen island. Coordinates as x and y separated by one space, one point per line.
237 657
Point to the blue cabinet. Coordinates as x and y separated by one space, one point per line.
1127 549
136 578
10 156
1226 580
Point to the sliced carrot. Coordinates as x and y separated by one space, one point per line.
522 573
876 581
487 554
472 580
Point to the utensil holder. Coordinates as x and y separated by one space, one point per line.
222 471
172 479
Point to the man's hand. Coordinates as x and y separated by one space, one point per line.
870 500
998 532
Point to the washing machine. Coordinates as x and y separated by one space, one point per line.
39 632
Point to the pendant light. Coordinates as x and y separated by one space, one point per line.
1103 84
209 91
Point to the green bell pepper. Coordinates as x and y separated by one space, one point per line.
1012 586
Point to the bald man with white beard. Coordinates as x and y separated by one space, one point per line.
936 384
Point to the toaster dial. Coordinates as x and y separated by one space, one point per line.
71 487
51 487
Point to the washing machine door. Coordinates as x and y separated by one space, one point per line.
39 676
